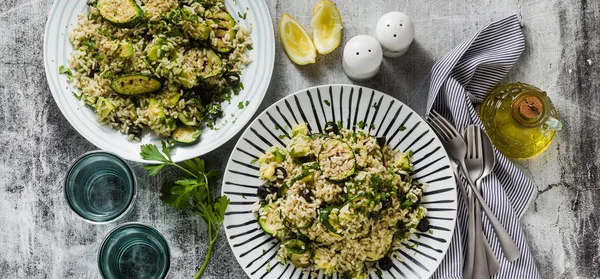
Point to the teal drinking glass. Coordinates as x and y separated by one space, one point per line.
132 251
100 187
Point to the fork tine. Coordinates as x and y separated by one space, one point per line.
439 130
435 113
479 142
468 140
449 126
471 142
444 129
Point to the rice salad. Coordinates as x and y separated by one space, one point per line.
166 65
339 202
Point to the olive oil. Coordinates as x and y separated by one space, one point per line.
520 120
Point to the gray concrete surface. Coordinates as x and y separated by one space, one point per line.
41 238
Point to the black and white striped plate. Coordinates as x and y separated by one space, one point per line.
354 106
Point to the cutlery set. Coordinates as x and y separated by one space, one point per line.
472 154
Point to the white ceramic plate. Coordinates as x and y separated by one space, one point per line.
256 78
256 250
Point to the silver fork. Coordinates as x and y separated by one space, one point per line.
457 149
475 167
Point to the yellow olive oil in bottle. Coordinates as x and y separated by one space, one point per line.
520 120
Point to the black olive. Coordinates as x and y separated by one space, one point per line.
262 192
280 173
381 141
423 226
416 204
385 263
135 131
233 79
272 189
386 203
331 127
306 194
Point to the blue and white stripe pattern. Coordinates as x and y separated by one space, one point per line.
463 76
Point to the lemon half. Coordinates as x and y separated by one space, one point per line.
327 27
296 42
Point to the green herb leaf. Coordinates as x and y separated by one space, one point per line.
153 170
327 103
402 128
62 70
150 152
191 191
79 97
241 105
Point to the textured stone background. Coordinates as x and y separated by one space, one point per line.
41 238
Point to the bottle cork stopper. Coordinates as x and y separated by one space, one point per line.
531 107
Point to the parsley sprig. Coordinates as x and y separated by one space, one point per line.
190 191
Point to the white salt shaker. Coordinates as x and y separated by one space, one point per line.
395 32
362 57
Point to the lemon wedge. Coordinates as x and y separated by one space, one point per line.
296 42
327 27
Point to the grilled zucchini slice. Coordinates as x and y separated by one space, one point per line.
186 134
136 84
221 23
121 13
335 150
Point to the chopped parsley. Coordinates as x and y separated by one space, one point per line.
402 128
327 103
241 105
78 96
254 161
91 44
65 71
361 124
242 16
282 136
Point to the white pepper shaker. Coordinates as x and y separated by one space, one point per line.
362 57
395 32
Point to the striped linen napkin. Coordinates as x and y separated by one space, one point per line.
463 76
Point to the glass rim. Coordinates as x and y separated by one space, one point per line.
127 224
122 161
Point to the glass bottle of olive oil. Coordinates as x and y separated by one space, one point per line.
520 120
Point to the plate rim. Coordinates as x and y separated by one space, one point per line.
66 111
324 86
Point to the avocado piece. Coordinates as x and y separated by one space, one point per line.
300 129
403 161
156 110
104 107
125 50
156 51
186 134
300 146
267 171
123 14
